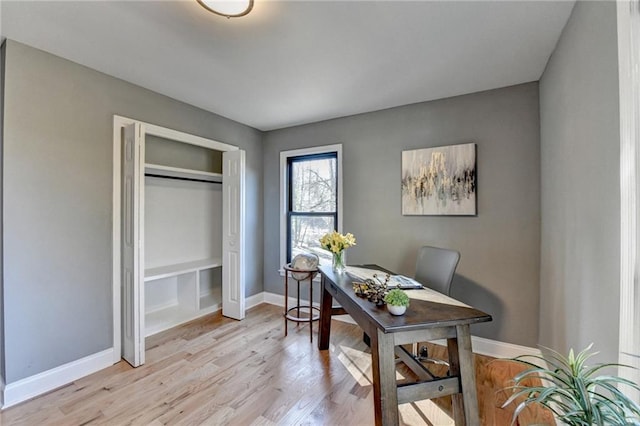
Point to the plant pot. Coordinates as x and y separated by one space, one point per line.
396 310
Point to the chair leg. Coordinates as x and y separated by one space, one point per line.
424 353
420 354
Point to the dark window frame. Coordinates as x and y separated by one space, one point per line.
290 213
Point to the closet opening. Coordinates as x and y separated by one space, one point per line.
178 247
182 233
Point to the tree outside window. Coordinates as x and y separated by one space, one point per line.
312 203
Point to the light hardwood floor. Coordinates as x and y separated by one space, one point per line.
217 371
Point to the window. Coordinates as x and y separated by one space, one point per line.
312 202
310 195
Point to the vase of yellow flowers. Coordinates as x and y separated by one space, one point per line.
337 243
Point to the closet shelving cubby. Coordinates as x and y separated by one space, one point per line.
192 300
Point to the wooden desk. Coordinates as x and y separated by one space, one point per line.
431 316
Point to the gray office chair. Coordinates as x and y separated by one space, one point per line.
435 268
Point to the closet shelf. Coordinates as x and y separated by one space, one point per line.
164 319
169 317
177 172
181 268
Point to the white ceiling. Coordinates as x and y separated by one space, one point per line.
295 62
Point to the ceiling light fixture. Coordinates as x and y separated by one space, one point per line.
228 8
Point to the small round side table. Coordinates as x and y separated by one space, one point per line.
313 312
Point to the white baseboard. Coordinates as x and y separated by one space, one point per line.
278 300
30 387
481 345
255 300
497 349
22 390
46 381
1 392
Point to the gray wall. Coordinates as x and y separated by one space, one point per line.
499 268
580 207
58 128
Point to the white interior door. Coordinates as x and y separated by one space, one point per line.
132 244
233 187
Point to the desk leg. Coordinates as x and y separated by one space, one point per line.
465 405
385 391
324 329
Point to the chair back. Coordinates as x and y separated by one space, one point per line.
435 268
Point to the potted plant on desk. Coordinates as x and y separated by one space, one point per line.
397 301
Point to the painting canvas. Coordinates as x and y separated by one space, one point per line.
439 181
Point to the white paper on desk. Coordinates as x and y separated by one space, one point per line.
395 281
430 295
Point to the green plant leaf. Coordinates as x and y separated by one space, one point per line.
572 391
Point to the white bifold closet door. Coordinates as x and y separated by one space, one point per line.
132 248
233 210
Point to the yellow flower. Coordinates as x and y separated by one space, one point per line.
336 242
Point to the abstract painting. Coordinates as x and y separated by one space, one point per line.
439 181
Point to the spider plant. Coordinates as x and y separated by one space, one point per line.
572 391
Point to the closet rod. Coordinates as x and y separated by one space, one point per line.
180 178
